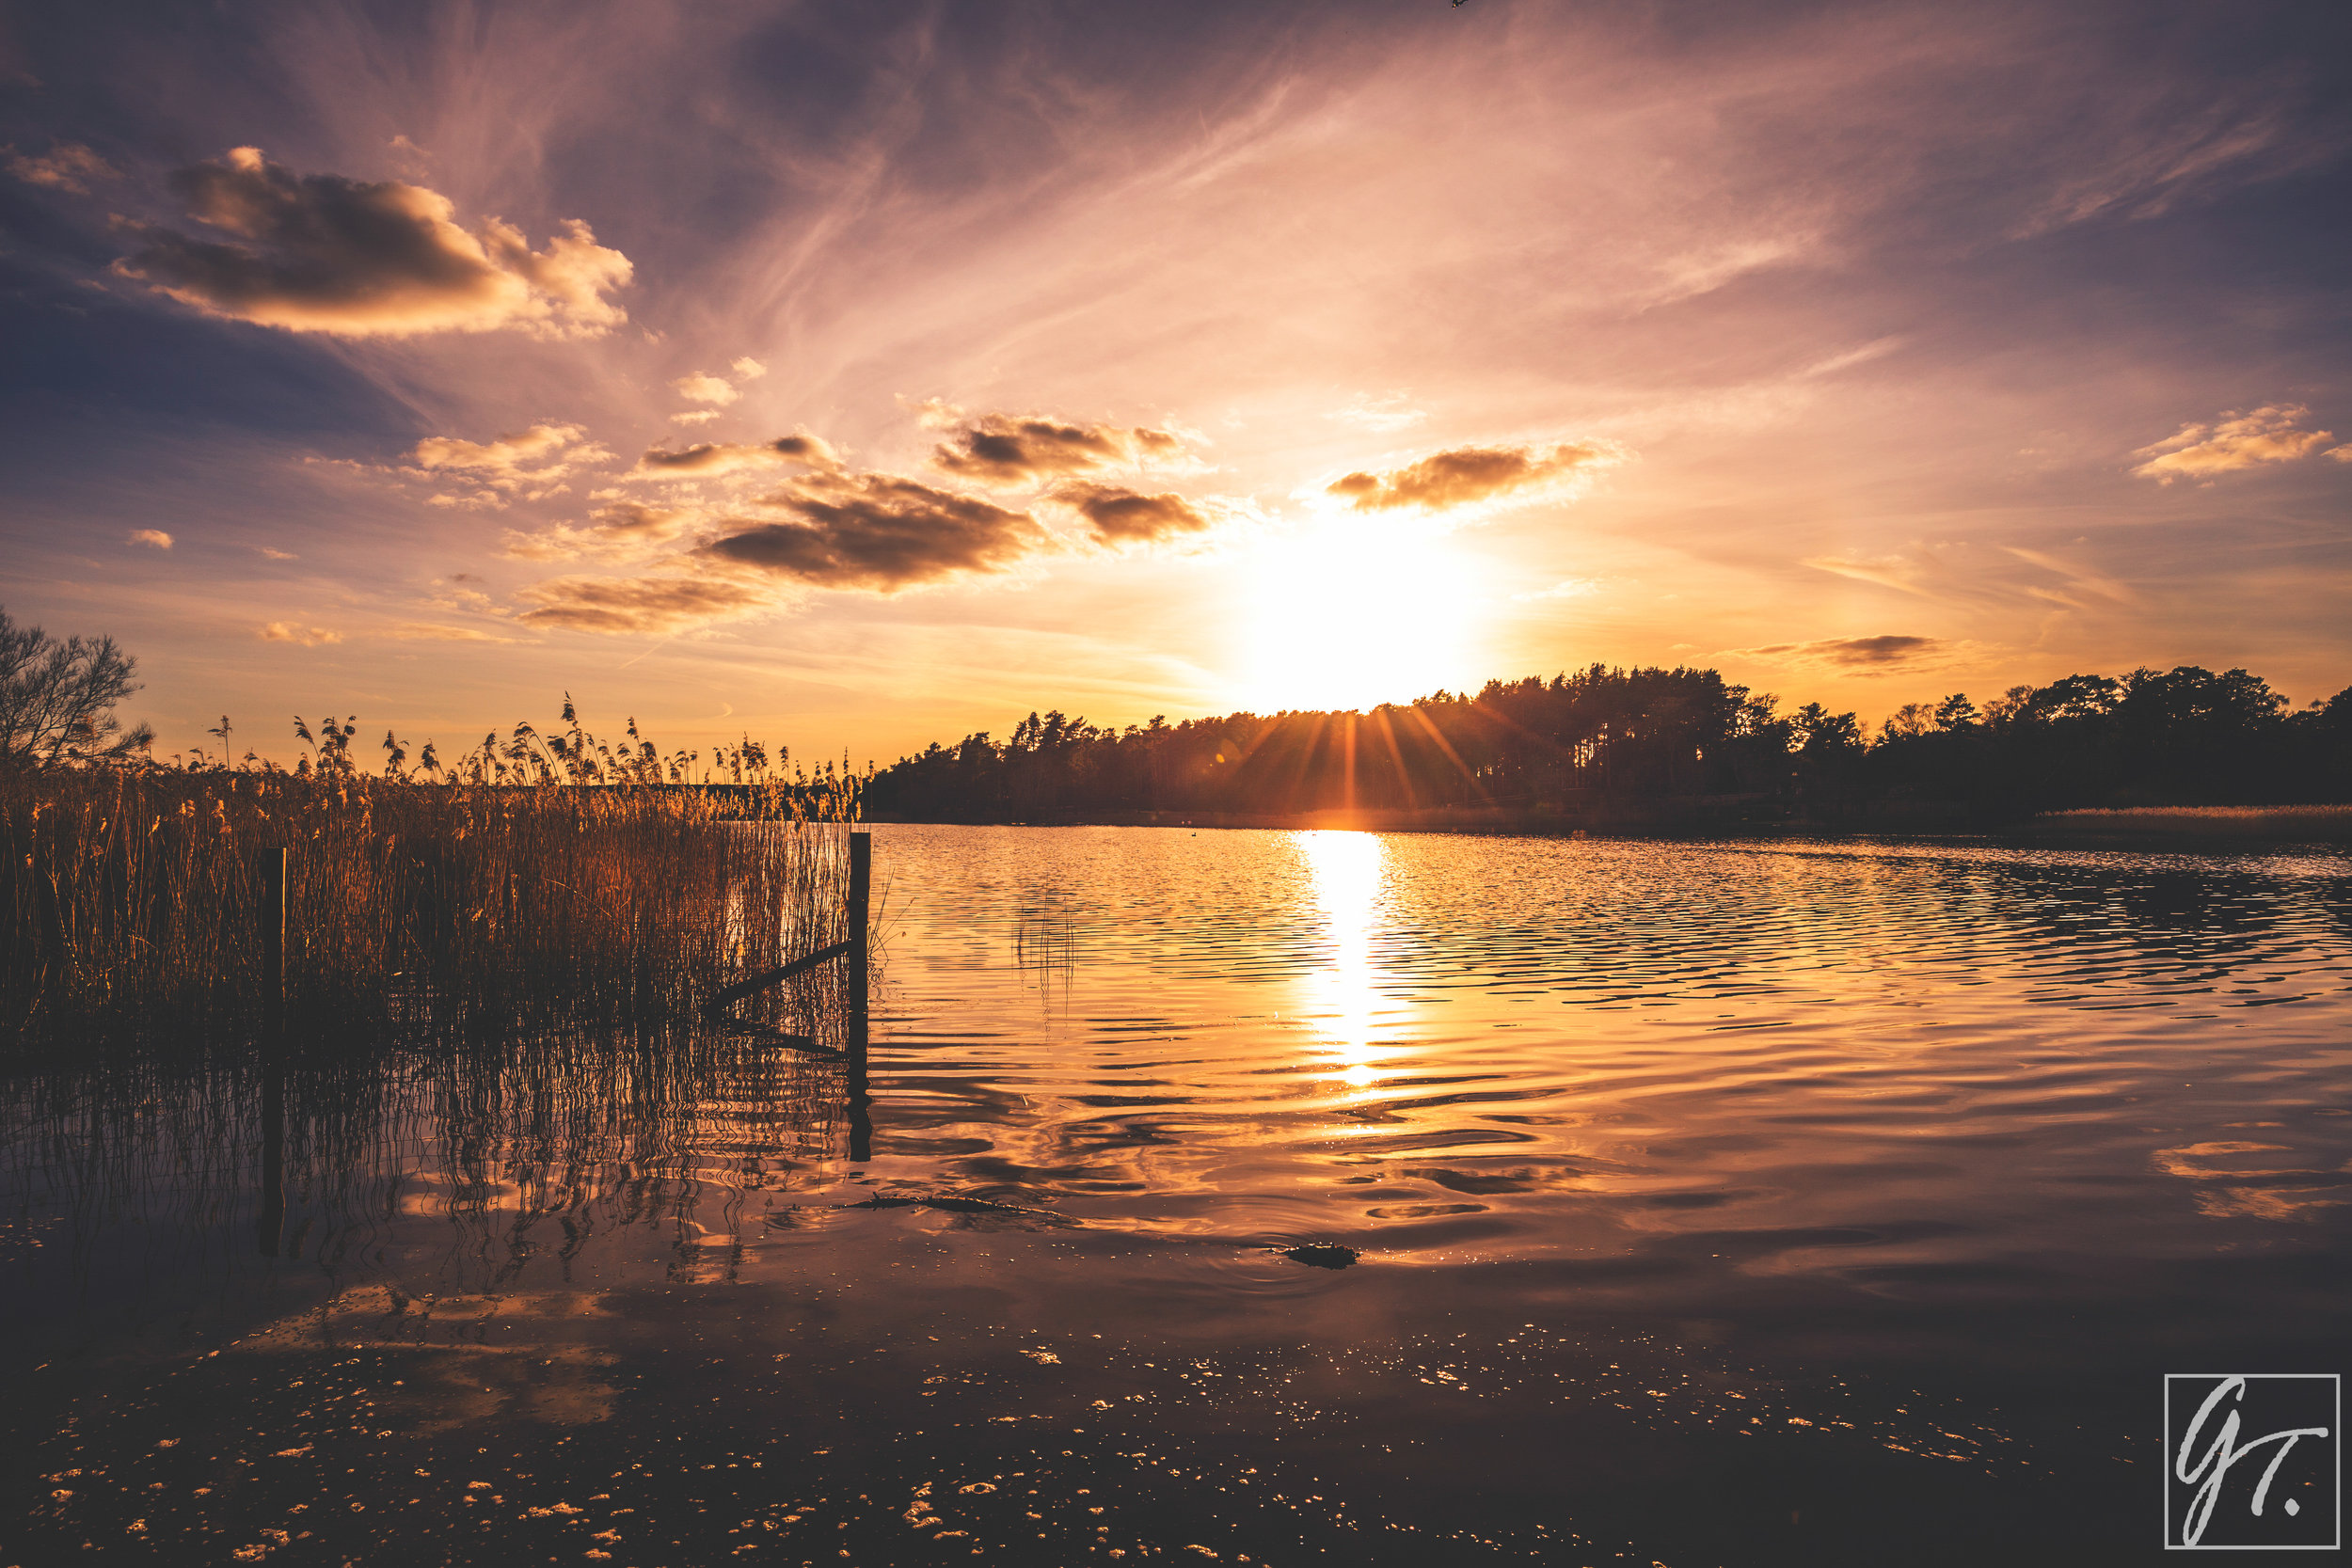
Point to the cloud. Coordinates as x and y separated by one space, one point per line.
359 259
1865 656
626 529
424 631
1382 414
153 538
702 386
1568 588
624 606
879 532
66 167
1121 517
748 369
711 459
1029 449
534 460
276 555
1891 571
695 415
308 637
1467 476
2235 440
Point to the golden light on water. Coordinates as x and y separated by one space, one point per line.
1348 870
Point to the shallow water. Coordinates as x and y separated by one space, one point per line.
1745 1202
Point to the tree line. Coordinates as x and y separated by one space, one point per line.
1612 740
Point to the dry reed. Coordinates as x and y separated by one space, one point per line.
134 898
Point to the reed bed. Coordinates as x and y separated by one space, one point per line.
136 900
516 1152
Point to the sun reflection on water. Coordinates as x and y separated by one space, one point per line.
1348 870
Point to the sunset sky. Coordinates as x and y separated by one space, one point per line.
859 374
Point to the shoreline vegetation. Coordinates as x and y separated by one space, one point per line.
541 885
1681 750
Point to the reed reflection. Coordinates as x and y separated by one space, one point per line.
1348 870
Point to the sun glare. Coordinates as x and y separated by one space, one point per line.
1355 613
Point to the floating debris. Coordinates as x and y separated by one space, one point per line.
1320 1255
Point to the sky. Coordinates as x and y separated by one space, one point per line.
854 376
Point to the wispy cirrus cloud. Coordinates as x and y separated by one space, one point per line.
322 253
622 529
2271 434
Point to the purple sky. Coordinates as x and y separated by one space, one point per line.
862 375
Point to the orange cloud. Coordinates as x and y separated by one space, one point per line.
1865 656
711 459
1467 476
631 606
153 538
66 167
624 529
702 386
308 637
359 259
2268 434
535 458
1007 450
1121 517
881 533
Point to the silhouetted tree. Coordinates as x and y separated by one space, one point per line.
58 699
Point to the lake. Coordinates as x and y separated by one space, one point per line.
1260 1196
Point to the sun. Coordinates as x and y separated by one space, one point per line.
1354 612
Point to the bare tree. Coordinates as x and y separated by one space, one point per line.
58 699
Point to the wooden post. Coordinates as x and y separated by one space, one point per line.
861 1100
861 893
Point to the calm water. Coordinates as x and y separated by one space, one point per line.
1757 1202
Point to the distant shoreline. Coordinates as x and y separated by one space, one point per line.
2332 824
2303 823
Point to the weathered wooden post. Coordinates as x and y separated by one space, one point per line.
861 894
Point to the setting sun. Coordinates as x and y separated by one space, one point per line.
1353 613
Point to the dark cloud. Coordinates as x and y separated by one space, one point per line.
710 459
624 605
325 254
1467 475
1118 517
882 533
1030 449
1863 654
